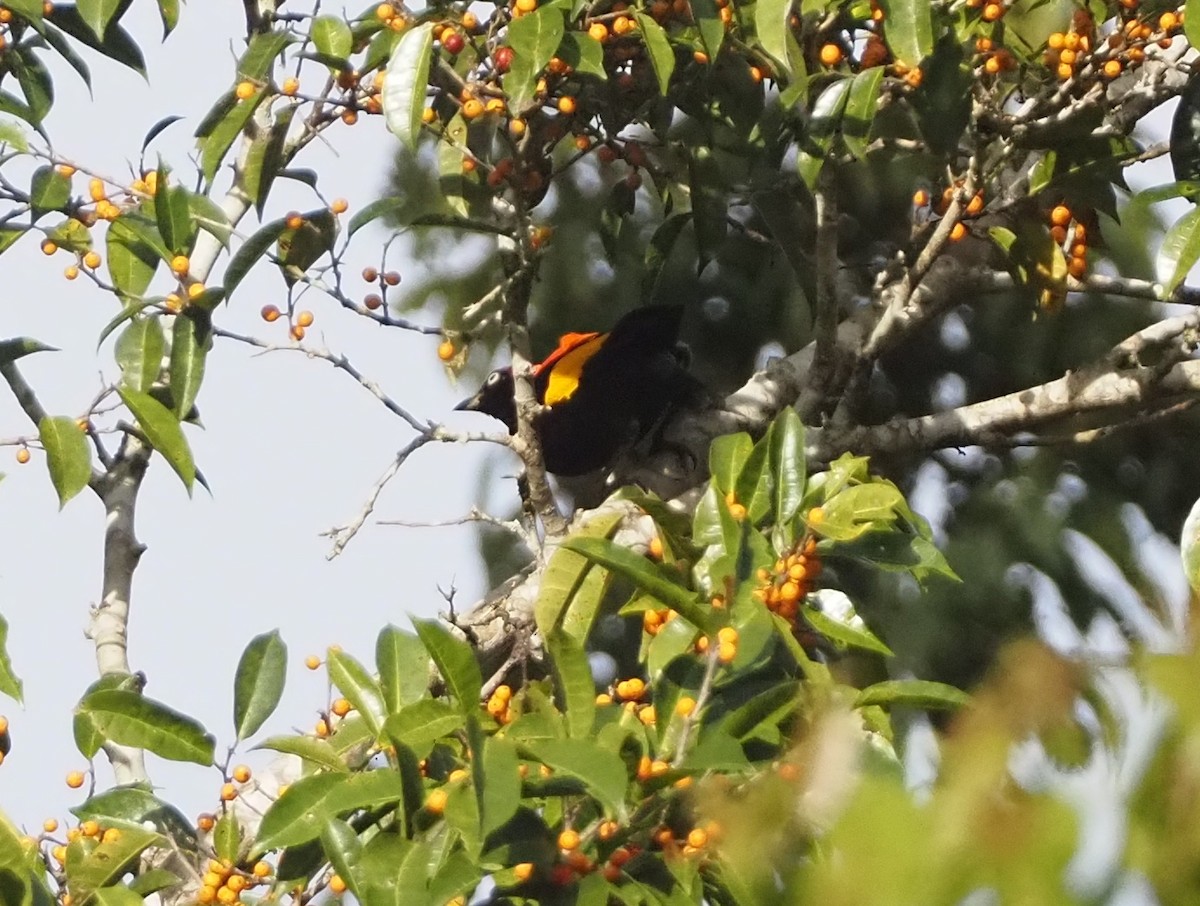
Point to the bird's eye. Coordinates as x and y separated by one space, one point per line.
493 378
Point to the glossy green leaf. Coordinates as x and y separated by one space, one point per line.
34 79
824 124
207 215
99 867
116 43
844 635
534 39
331 36
134 251
788 463
97 14
419 725
12 136
573 677
1179 252
139 352
403 666
136 805
600 771
258 683
10 683
403 95
164 432
343 849
68 456
712 29
317 752
394 872
658 48
19 347
498 784
259 58
909 29
358 687
216 144
168 12
455 660
129 718
227 837
572 587
251 252
771 26
912 694
299 248
191 340
173 214
859 114
299 814
1185 123
584 54
49 190
658 580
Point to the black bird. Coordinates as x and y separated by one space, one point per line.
605 392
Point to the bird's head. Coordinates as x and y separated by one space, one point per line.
495 398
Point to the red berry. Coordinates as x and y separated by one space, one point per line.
503 58
453 43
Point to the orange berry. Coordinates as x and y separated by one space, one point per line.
206 823
517 128
697 837
566 105
304 319
241 773
598 31
992 12
435 802
470 21
50 825
312 662
271 313
336 884
685 705
65 170
261 870
527 6
472 108
1168 21
71 272
468 165
568 840
831 54
340 206
228 792
341 707
320 728
1060 215
726 652
49 246
1112 69
245 91
75 779
700 57
655 548
428 116
385 12
523 871
1064 71
445 350
110 835
180 265
294 220
957 232
91 260
920 198
1077 267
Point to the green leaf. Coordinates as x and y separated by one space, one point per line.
49 190
658 580
497 783
173 213
129 718
227 837
908 25
331 36
403 95
403 666
771 26
139 352
11 350
208 216
251 252
860 110
317 752
259 57
584 54
35 82
1179 252
300 247
788 464
135 805
97 14
394 872
1185 124
134 250
164 432
258 683
823 126
30 10
534 39
658 47
11 134
116 44
422 723
10 683
712 29
68 456
455 661
359 688
343 849
844 635
191 340
573 675
912 694
266 158
381 207
216 144
168 11
572 587
299 814
94 868
600 771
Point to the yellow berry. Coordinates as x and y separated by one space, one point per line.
685 705
90 828
261 870
290 87
831 54
241 773
75 779
206 823
385 12
245 91
472 108
304 319
180 265
566 105
598 31
50 825
726 652
517 128
341 707
340 206
435 802
228 792
336 884
195 290
110 835
568 840
523 872
206 895
49 246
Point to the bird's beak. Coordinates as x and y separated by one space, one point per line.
470 405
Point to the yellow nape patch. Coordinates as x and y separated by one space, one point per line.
565 371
